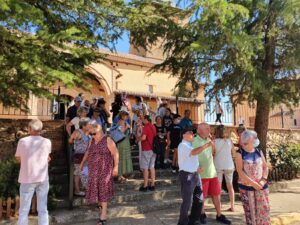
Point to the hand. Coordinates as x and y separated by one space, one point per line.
115 171
200 170
257 186
81 166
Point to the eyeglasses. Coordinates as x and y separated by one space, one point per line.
93 134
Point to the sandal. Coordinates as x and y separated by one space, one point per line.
230 210
101 222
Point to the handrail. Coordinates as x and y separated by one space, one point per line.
69 148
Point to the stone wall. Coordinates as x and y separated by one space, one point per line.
12 130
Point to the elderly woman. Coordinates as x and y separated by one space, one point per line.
224 160
253 174
103 160
125 165
80 138
81 113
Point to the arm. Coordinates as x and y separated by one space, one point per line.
168 139
18 152
68 127
243 176
233 151
115 153
74 136
264 178
143 138
85 157
197 151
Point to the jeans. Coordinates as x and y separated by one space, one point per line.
26 193
191 193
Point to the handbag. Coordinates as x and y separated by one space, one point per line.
116 134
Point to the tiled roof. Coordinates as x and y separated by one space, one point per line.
162 96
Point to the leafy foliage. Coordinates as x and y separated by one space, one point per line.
9 178
286 155
250 48
43 41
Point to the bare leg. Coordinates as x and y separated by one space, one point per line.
217 203
146 177
167 153
175 161
77 184
153 178
231 195
103 210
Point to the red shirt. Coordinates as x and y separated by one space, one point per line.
150 132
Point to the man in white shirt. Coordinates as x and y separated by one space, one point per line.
139 106
189 178
33 154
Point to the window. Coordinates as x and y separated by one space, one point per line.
150 88
295 122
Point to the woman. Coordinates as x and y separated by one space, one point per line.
161 132
81 113
116 106
103 160
80 138
219 111
96 119
224 153
125 166
253 174
137 131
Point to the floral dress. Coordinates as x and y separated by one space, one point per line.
100 180
255 203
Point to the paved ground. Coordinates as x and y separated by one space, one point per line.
283 203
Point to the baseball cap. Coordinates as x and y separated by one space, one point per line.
190 129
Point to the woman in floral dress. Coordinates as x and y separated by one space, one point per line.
103 160
253 173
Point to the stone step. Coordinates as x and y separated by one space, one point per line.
136 196
84 214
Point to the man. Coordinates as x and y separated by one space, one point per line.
189 179
147 155
33 154
186 122
104 114
210 182
139 106
72 111
174 137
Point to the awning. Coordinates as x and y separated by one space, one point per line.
149 95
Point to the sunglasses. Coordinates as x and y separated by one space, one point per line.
93 134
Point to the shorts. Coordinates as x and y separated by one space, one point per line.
211 187
147 160
228 176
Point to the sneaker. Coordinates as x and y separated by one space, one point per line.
143 189
79 194
151 188
203 219
222 219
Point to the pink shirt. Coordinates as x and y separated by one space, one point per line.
34 152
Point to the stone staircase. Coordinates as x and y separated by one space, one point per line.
127 201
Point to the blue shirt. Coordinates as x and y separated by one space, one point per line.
186 161
185 123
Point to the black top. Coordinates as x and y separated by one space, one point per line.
115 108
175 135
161 132
72 112
167 121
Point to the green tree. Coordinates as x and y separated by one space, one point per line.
250 46
44 41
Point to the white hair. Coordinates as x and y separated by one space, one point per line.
247 135
36 125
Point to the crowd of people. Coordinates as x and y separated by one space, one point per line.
200 158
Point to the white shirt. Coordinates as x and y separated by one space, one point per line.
223 158
34 152
186 161
139 107
75 122
218 109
